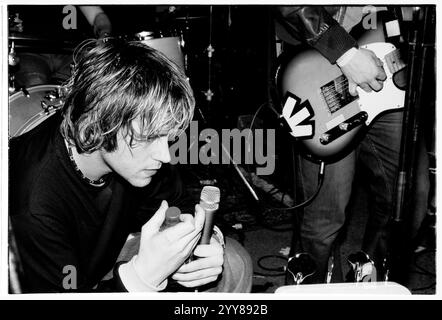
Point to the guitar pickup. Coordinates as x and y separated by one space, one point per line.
344 127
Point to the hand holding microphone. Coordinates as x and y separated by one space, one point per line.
209 253
161 253
172 218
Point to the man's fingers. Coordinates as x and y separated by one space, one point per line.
200 264
365 87
157 219
376 85
190 241
185 217
200 216
208 250
197 283
180 231
381 75
199 274
352 88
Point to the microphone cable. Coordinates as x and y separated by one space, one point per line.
321 172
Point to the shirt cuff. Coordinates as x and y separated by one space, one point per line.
334 42
132 280
346 57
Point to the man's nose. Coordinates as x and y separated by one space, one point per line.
163 153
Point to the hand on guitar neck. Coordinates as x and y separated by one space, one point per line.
363 69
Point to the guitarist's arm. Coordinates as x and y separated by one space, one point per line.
316 27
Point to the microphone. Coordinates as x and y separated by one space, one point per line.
209 201
172 218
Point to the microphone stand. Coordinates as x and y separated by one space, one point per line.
418 39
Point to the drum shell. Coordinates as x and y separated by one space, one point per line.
25 113
170 47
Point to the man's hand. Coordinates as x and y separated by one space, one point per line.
203 270
162 253
364 69
98 19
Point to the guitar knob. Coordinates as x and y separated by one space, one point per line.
344 126
325 138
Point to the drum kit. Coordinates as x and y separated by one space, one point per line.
28 107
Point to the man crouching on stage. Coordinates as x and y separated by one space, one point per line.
87 177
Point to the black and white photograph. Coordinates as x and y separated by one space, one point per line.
282 150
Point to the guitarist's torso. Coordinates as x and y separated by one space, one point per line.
346 16
339 117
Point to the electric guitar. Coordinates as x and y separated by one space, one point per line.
338 117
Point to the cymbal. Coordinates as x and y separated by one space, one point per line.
21 36
190 18
37 38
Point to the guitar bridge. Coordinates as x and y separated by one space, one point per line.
344 127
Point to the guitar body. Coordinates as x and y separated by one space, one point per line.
339 117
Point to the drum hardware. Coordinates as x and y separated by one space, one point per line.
25 92
300 266
13 61
57 93
48 108
15 23
144 35
182 34
169 46
330 267
386 269
29 107
362 267
11 84
210 49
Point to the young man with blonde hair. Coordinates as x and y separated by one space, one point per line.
87 177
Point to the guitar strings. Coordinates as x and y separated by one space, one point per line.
333 93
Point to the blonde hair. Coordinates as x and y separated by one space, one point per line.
117 82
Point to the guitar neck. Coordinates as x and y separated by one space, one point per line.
394 61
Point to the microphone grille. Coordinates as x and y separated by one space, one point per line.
210 197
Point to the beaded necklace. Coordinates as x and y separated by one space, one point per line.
96 183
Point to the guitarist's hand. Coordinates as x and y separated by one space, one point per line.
364 69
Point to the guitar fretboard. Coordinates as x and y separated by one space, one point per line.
394 61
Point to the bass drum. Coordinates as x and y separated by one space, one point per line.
169 46
28 108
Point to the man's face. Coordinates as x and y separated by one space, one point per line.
139 162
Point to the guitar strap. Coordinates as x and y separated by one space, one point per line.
348 17
340 15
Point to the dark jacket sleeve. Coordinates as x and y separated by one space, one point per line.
316 27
